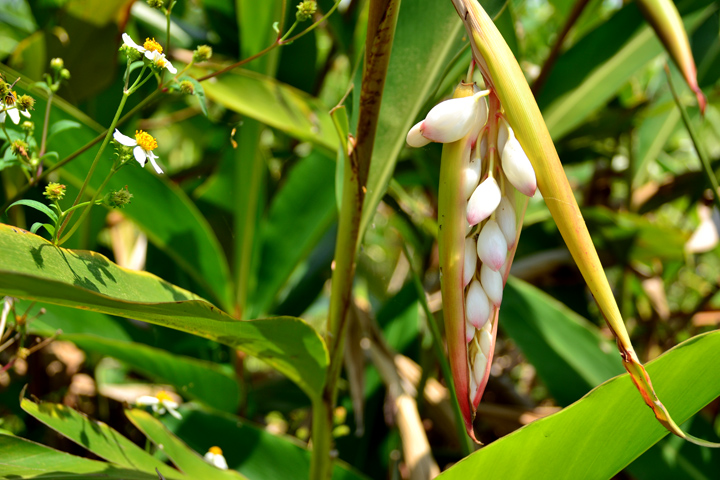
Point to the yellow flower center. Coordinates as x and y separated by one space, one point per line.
152 45
215 450
162 395
148 143
160 62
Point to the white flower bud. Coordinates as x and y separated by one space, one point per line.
492 283
507 222
452 119
517 167
477 307
415 137
470 261
504 132
471 172
473 388
483 201
491 246
485 342
469 332
479 365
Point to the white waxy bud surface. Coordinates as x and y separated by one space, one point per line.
504 132
470 261
492 283
452 119
415 137
491 245
485 342
482 114
471 172
477 306
517 167
469 332
473 388
506 221
483 201
479 364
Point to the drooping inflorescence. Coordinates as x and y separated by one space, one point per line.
494 168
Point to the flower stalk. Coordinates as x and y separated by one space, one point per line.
504 76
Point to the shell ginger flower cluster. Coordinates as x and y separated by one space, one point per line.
485 171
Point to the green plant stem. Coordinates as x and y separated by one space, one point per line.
465 442
7 135
320 464
43 139
94 164
707 168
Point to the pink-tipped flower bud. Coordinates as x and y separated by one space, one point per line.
469 332
504 132
491 246
451 120
477 307
470 261
483 201
517 167
415 137
492 283
471 172
507 222
479 365
485 342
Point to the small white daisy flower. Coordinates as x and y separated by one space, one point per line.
8 106
215 456
152 51
160 403
144 144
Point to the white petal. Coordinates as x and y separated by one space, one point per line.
140 155
130 43
517 168
170 404
452 119
492 284
479 366
219 462
170 67
152 158
415 138
470 260
491 245
147 400
471 171
124 139
14 115
174 413
2 117
151 55
477 307
483 201
507 222
26 113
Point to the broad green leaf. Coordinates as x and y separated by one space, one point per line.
160 208
275 104
567 351
187 460
37 270
25 459
300 214
96 437
608 428
61 126
41 207
73 321
192 378
593 70
249 448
